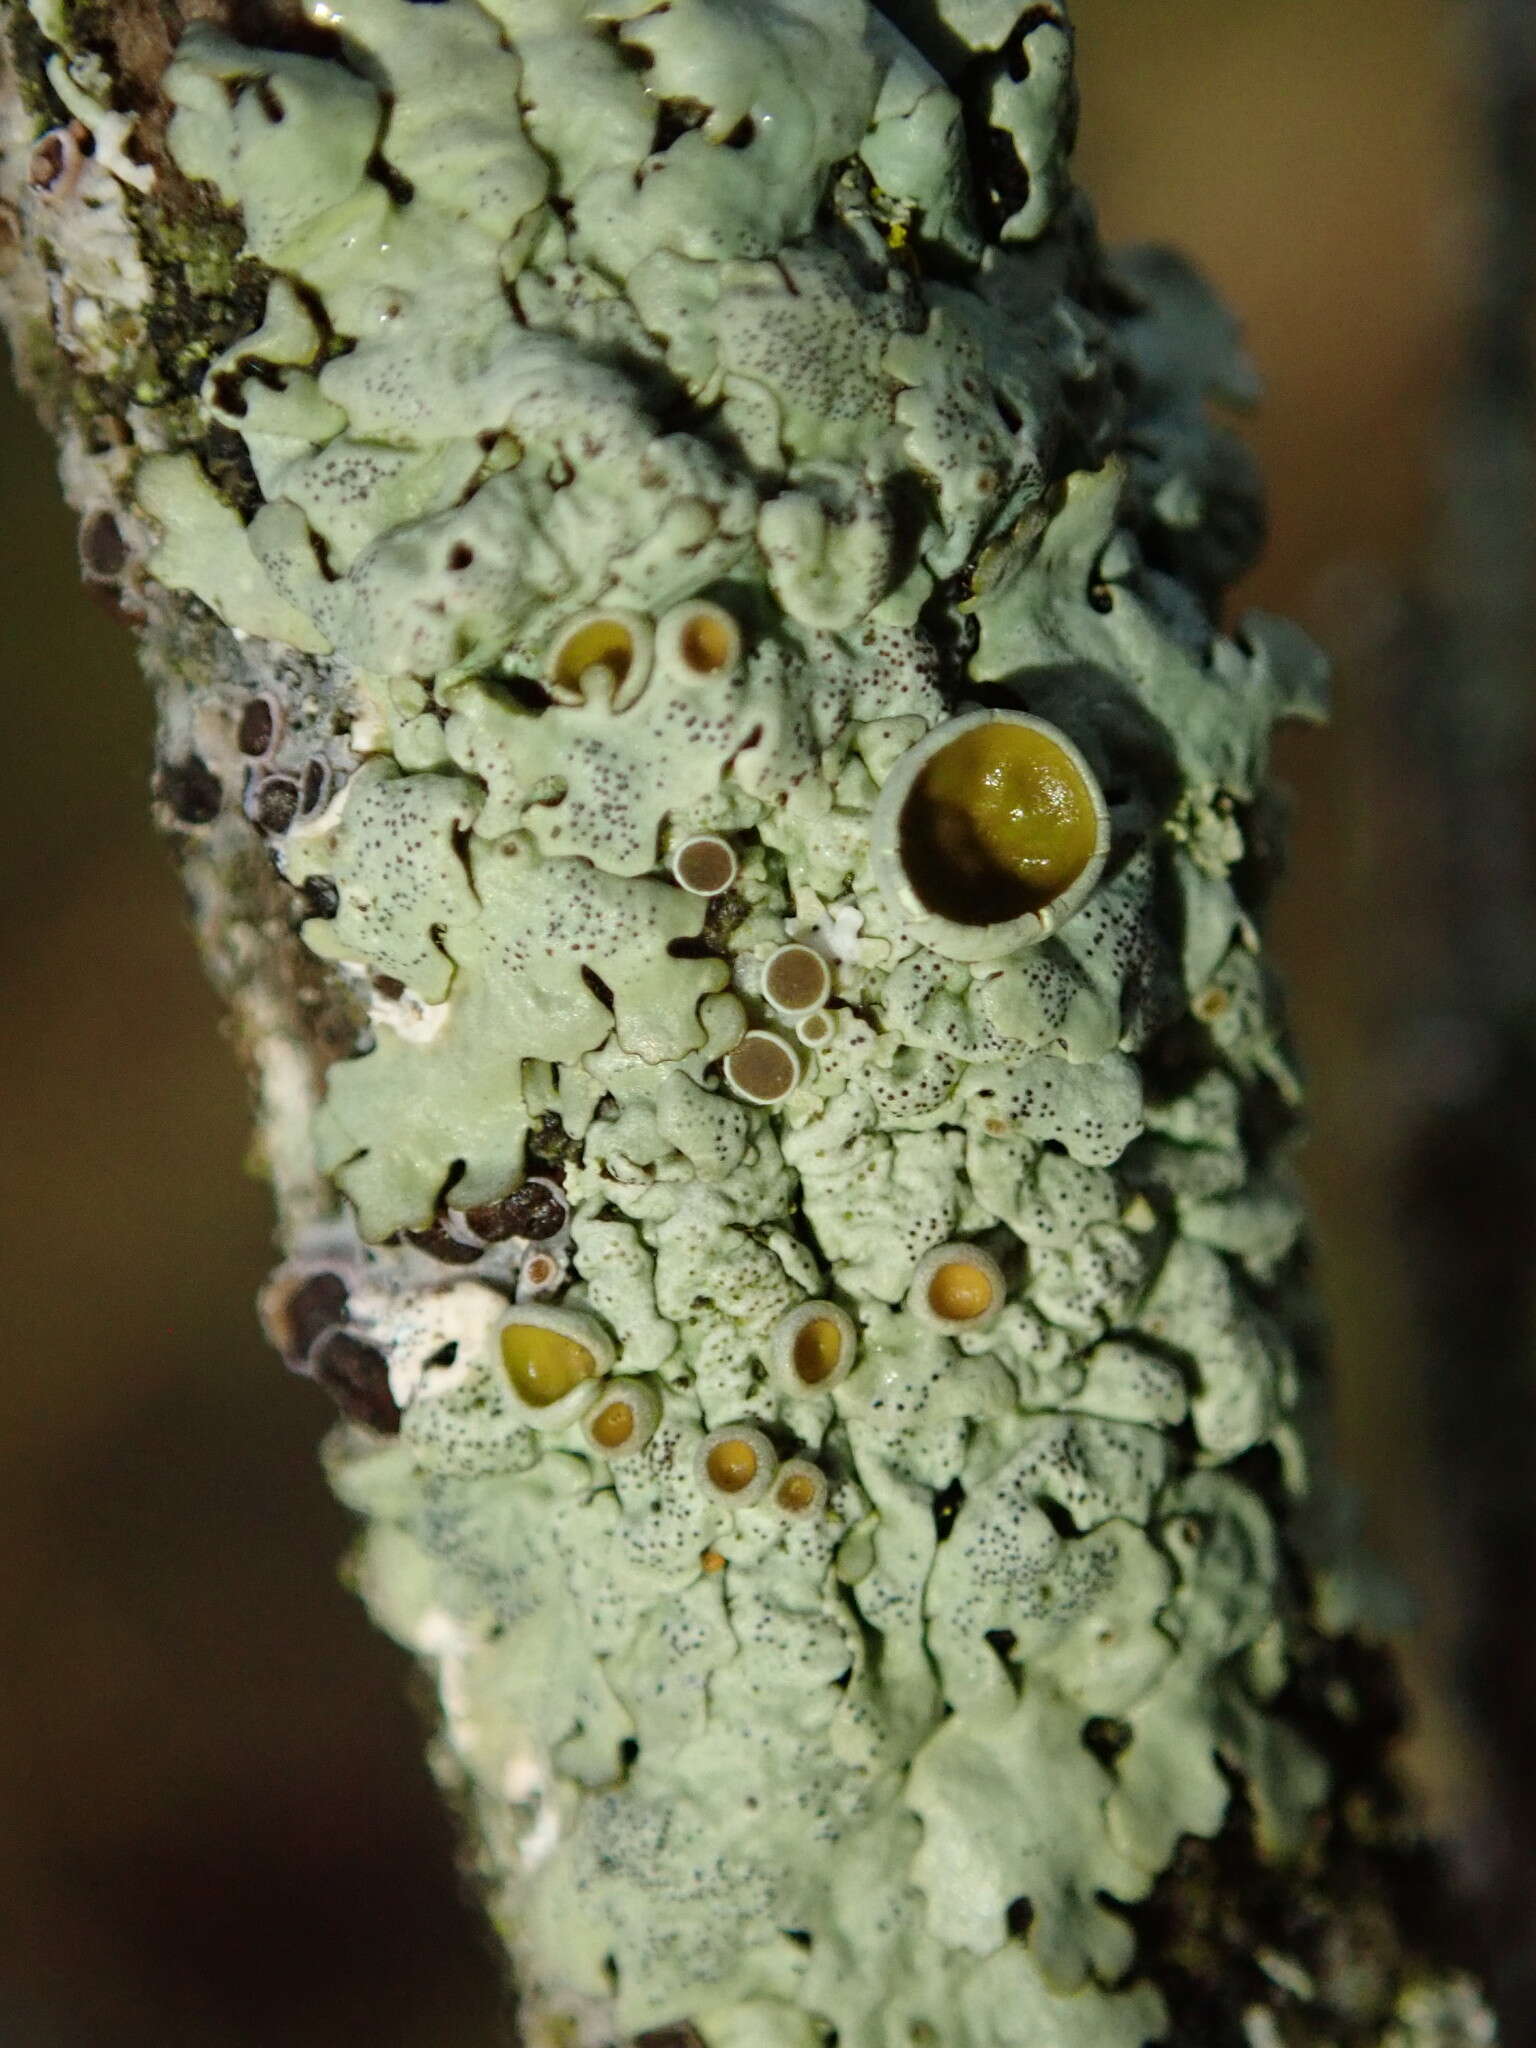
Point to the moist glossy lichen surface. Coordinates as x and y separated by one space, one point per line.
663 420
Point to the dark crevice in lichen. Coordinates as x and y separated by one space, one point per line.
550 1147
722 916
439 1243
674 118
952 633
225 458
378 167
531 1210
947 1504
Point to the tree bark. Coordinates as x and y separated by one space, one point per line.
684 593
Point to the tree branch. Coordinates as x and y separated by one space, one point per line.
684 593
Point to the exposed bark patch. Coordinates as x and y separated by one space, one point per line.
1327 1942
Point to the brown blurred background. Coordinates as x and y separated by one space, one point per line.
215 1825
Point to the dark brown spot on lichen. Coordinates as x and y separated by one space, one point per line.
356 1376
190 790
321 898
723 916
534 1211
440 1243
257 725
103 551
315 1306
551 1148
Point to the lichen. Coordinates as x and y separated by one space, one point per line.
808 1281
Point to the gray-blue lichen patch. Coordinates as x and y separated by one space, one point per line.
843 1427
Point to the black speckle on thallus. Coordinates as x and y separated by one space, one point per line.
356 1376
